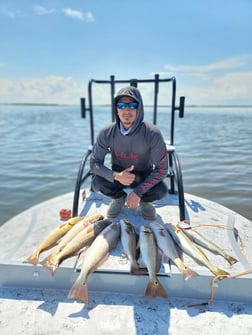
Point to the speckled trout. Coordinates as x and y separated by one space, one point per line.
193 250
202 241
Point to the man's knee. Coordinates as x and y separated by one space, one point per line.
96 184
163 190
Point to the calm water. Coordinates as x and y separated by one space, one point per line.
41 148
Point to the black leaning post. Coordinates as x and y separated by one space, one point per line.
155 98
112 90
91 110
173 108
83 107
133 82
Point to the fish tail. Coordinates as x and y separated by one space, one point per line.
188 273
231 260
50 263
52 267
79 291
46 261
33 259
155 289
219 272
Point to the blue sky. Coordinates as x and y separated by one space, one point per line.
50 49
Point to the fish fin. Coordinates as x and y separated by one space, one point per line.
138 271
100 263
51 265
53 268
180 252
189 273
219 272
81 257
155 289
137 253
141 262
33 259
159 260
138 245
79 291
165 259
231 260
46 260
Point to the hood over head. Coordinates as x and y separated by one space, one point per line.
134 93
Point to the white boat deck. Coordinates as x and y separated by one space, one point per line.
117 301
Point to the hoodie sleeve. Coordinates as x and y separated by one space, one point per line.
159 158
100 149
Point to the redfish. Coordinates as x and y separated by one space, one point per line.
167 245
79 226
129 244
52 239
149 252
94 257
83 239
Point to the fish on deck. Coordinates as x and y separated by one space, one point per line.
52 239
193 250
202 241
129 240
79 226
83 239
149 253
94 257
169 249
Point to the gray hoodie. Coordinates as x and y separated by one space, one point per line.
143 147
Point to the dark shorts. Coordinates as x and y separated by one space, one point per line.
115 190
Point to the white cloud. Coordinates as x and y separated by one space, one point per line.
227 81
76 14
230 88
49 89
234 86
42 10
229 63
225 86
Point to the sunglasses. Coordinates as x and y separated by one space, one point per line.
130 105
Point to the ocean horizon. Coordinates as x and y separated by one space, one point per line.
42 146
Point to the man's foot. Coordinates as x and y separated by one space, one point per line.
115 207
148 211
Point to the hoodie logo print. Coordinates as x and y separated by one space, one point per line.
122 155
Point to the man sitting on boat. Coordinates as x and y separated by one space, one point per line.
138 158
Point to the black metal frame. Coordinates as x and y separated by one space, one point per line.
174 171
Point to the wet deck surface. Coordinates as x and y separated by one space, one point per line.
49 310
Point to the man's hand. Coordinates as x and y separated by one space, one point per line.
125 177
133 200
